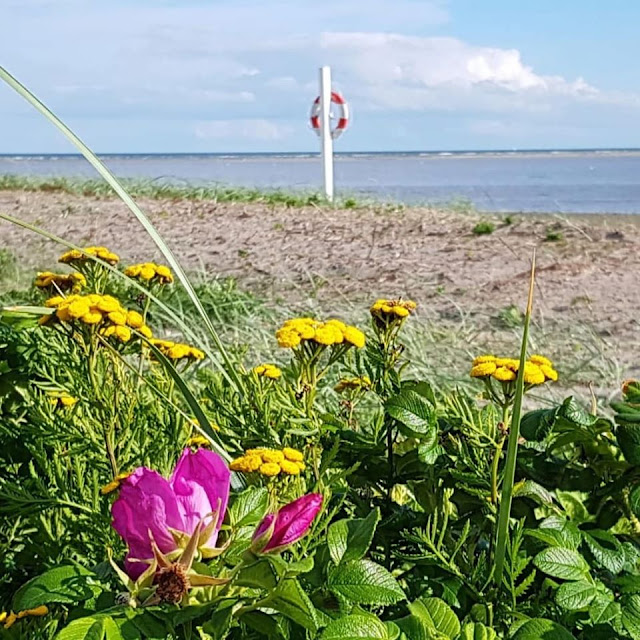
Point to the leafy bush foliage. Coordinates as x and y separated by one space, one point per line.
328 496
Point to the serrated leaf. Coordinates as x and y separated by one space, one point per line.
603 609
414 414
477 631
414 628
66 585
533 490
290 599
606 550
541 629
350 539
631 615
569 531
355 627
260 575
552 537
83 629
575 595
561 563
437 614
249 507
521 588
365 582
537 425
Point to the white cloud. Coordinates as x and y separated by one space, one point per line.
251 129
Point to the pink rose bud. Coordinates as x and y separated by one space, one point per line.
280 530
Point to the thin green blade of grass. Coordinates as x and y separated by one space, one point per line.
506 494
100 167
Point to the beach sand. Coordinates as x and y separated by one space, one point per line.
589 274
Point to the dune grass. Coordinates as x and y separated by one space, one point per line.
161 190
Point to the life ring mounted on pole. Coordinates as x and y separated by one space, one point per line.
340 116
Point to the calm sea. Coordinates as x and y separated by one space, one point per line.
592 181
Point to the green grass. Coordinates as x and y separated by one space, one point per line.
162 190
484 228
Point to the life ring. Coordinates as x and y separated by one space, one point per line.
342 116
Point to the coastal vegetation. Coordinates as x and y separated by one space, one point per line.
167 476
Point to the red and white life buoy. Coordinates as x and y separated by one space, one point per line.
341 116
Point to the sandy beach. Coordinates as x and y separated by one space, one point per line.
586 264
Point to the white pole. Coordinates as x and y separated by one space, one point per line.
325 131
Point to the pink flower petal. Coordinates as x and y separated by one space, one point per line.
201 482
292 522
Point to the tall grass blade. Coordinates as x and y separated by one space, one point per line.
142 218
512 446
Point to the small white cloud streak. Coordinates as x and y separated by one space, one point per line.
259 130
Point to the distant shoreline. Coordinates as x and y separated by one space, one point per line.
458 153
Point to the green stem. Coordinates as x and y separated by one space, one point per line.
496 457
512 446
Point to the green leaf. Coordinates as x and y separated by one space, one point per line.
537 425
552 537
260 575
147 623
561 563
414 628
534 491
84 629
290 599
437 614
219 624
67 585
267 625
631 615
477 631
414 414
365 582
606 549
575 595
249 507
603 609
541 629
573 504
350 539
570 532
355 627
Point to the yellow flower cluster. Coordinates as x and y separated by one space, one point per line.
537 369
60 281
198 441
270 462
150 271
293 332
99 252
267 371
391 309
115 483
177 350
8 619
350 384
62 400
97 310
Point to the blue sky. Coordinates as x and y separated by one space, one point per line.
239 75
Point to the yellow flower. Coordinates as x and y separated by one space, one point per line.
399 311
115 483
78 308
362 382
533 374
93 317
268 371
504 375
253 463
337 323
293 454
326 335
145 331
99 252
197 354
164 273
255 452
272 455
290 468
134 319
122 333
538 359
354 336
288 338
198 441
398 308
118 317
301 466
549 372
67 401
108 304
483 370
147 272
270 469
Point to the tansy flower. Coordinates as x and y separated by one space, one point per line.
63 400
537 369
350 384
9 619
289 468
483 370
76 257
198 441
60 281
333 332
176 350
270 462
115 483
270 469
267 371
149 271
293 454
385 311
